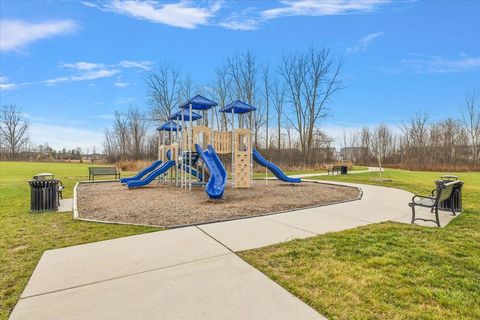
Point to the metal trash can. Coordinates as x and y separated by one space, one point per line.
44 193
455 200
344 169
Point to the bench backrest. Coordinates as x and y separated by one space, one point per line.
103 170
445 190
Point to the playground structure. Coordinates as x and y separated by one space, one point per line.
189 149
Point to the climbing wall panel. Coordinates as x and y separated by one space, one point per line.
242 169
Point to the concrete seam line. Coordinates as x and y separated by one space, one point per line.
215 239
124 276
291 226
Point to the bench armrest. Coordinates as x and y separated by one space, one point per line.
417 196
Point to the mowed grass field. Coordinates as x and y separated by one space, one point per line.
24 236
386 270
381 271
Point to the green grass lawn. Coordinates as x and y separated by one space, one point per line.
259 175
386 270
24 235
381 271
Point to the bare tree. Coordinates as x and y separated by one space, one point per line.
14 129
137 133
471 118
278 100
222 90
311 78
266 93
242 68
186 89
415 139
243 71
381 144
163 95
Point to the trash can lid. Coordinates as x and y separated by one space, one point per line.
449 177
43 176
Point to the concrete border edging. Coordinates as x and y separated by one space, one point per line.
77 217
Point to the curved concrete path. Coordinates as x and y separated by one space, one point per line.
191 272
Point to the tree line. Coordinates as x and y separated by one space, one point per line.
418 143
15 143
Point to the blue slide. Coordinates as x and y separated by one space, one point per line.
186 168
273 168
194 172
142 173
215 186
140 183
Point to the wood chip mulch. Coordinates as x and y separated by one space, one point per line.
166 205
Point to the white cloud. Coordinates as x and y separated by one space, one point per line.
6 85
88 75
83 65
16 34
121 84
145 65
435 64
241 24
182 14
321 8
91 71
251 18
364 42
89 4
95 74
124 100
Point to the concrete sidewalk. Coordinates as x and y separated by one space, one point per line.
175 274
191 272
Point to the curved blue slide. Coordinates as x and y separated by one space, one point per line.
186 168
140 183
142 173
273 168
194 172
215 186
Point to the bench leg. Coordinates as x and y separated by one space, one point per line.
413 214
453 204
436 216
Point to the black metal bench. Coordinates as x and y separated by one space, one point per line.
338 169
102 171
443 192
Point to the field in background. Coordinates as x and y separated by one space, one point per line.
386 270
24 236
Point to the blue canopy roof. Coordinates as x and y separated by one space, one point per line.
199 103
238 106
185 114
169 126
